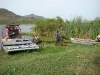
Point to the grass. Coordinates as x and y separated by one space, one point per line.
73 59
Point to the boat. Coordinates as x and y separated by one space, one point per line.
12 39
84 41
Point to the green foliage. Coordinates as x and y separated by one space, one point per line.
48 27
95 28
77 27
26 34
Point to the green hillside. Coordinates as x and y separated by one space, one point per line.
7 16
35 16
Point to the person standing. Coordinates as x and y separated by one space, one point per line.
58 37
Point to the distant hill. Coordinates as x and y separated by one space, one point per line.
7 16
35 16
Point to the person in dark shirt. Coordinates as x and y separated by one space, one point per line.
58 37
10 33
16 33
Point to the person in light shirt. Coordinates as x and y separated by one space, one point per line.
98 38
37 40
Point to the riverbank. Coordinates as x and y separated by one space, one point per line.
26 23
51 59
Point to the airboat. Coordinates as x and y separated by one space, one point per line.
12 40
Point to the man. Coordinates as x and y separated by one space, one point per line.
58 37
37 40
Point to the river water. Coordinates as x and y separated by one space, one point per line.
24 28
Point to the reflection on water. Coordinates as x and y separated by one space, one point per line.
24 28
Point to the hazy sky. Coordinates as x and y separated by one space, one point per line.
66 9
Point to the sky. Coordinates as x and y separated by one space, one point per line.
66 9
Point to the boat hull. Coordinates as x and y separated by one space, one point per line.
84 41
18 45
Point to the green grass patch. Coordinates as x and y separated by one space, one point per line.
47 38
73 59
